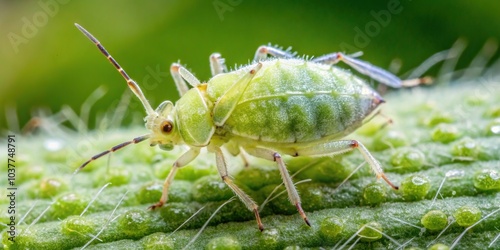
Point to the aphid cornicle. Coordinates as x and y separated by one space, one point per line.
278 106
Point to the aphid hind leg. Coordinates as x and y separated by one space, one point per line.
263 51
293 195
365 68
343 146
182 161
217 64
247 200
181 85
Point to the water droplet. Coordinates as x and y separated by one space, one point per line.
455 174
418 181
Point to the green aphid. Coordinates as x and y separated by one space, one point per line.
278 106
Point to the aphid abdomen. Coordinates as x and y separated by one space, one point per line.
298 101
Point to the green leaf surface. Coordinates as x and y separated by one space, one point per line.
443 149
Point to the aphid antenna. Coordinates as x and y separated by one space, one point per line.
113 149
131 83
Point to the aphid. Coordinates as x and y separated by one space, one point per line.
278 106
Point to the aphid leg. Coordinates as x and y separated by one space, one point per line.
365 68
388 120
181 85
416 81
244 157
343 146
263 51
293 195
235 150
182 161
188 76
222 168
217 64
226 104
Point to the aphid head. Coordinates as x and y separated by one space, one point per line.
162 125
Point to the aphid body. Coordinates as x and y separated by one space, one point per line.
272 107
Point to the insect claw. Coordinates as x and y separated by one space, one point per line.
257 218
307 221
302 214
155 206
388 182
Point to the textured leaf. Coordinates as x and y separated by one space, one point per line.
443 148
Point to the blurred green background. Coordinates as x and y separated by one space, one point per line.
47 63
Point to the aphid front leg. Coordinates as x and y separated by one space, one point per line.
186 75
185 159
263 51
217 64
293 195
343 146
222 168
370 70
181 85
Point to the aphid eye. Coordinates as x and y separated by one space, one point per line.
167 127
